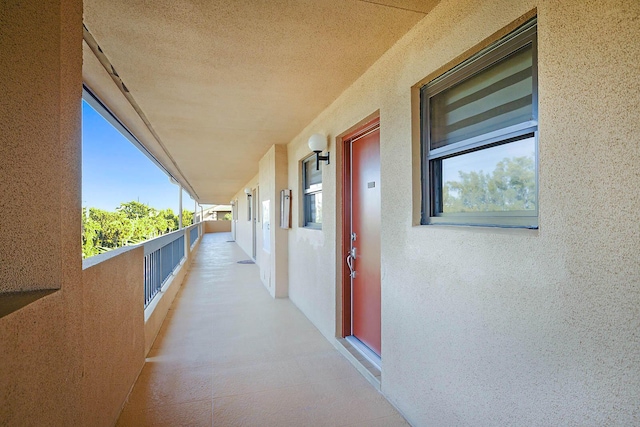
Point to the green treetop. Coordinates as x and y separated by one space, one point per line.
131 223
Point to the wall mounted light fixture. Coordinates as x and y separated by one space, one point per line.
317 144
247 191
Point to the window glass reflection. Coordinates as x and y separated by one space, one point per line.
495 179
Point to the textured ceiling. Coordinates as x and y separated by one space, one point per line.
220 81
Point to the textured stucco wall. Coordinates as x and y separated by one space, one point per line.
217 226
114 334
266 172
504 327
312 252
41 80
31 158
280 236
243 225
273 263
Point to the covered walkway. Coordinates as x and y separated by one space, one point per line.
230 355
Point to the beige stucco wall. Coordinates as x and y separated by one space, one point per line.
41 344
272 177
217 226
279 235
312 259
243 225
503 327
273 262
114 335
38 118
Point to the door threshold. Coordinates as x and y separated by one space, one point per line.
365 351
366 368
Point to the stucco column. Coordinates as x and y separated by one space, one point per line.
273 262
40 244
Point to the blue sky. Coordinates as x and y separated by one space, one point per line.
115 171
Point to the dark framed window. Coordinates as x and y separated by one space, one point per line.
311 193
479 125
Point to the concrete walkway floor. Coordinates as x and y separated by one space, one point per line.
230 355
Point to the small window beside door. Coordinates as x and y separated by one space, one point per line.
479 138
311 193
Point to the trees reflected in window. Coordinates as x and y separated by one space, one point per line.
479 137
474 182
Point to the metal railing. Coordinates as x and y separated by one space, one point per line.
162 256
193 234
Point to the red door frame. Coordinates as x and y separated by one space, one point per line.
346 220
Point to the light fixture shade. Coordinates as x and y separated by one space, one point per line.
247 191
318 142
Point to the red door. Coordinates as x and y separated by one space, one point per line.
364 254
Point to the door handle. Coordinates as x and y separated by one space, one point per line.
349 260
